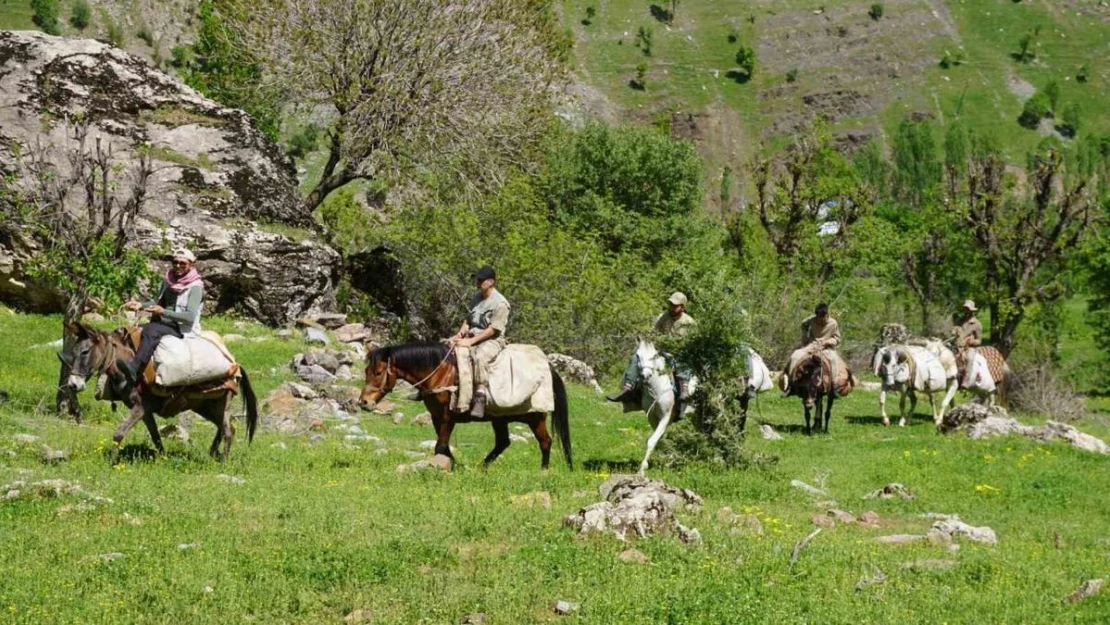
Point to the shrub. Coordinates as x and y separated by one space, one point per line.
876 11
1069 120
745 58
950 60
644 38
1084 73
303 142
182 56
1026 45
145 35
1052 92
640 82
115 34
81 15
792 75
1036 108
1039 390
46 16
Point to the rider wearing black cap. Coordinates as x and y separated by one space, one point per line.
484 332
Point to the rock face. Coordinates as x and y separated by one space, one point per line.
636 507
217 176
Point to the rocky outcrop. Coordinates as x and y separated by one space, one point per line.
221 187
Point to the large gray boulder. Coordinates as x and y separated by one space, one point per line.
222 187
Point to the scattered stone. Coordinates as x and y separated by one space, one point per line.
870 578
633 555
358 616
187 546
353 333
841 516
539 498
891 491
231 479
638 506
315 375
869 519
563 608
131 520
816 492
232 338
108 557
955 528
327 360
575 370
344 373
424 418
384 407
284 333
439 461
517 438
300 391
316 335
748 524
478 618
823 520
428 444
54 456
175 431
1086 590
929 565
1053 430
826 504
279 445
318 425
26 439
315 439
901 539
769 433
331 321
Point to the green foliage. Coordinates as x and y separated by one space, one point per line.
81 15
101 272
1084 73
631 189
114 33
876 11
950 60
792 75
734 34
1096 261
1052 92
917 170
1026 46
145 35
873 168
745 58
303 141
591 12
1035 109
1070 119
182 56
640 82
644 38
221 69
46 16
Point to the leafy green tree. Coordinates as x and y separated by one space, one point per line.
1052 92
745 58
876 11
45 16
1069 121
1035 109
81 15
644 39
1027 46
917 169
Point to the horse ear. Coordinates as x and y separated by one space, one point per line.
66 358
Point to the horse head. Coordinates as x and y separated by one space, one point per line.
895 367
91 353
380 377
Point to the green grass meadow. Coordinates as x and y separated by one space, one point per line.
318 531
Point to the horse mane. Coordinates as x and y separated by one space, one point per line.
413 356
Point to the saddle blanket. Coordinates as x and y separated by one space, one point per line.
192 360
519 381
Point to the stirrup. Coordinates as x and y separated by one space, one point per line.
478 409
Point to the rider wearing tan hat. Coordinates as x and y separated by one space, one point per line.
674 320
970 332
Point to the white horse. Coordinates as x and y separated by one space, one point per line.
979 381
908 369
658 396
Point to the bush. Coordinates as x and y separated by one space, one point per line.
182 56
1069 120
1026 52
734 34
145 35
1036 108
1039 390
792 75
115 34
81 15
1084 73
591 12
1052 92
46 16
640 81
303 142
950 60
876 11
745 58
644 39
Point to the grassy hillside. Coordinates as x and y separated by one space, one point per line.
320 530
852 71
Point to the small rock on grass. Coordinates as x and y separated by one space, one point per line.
231 479
634 555
424 418
823 520
564 607
869 519
478 618
398 418
1086 590
357 617
890 491
54 456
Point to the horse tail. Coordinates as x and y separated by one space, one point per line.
250 401
560 422
1004 386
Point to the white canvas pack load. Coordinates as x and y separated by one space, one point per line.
192 360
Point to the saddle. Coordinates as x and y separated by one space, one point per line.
226 380
519 381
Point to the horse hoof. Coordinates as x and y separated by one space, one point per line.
886 422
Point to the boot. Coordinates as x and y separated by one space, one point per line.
625 394
478 408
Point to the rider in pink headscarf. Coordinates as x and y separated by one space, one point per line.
176 311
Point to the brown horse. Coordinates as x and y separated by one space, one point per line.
95 353
814 381
431 369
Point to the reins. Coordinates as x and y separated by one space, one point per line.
389 367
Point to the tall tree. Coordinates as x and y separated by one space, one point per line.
917 170
1026 232
409 83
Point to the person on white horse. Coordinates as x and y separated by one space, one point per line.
484 332
966 337
820 332
175 312
674 320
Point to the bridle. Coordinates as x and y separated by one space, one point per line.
389 369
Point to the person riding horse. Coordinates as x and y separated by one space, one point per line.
483 330
674 320
966 337
820 333
175 312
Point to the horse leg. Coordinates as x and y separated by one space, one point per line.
745 400
654 439
828 412
155 435
443 436
538 423
137 412
818 414
950 393
808 405
882 406
224 417
501 440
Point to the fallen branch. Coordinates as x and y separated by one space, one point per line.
802 545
